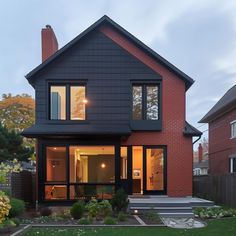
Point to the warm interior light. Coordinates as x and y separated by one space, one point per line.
103 165
55 148
85 101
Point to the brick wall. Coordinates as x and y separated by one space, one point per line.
179 148
220 143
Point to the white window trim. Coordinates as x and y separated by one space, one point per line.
231 164
231 124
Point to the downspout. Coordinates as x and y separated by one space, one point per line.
197 139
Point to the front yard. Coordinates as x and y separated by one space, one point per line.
215 228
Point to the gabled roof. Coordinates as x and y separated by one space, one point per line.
225 103
106 20
189 130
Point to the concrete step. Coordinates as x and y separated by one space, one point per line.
176 214
162 209
159 204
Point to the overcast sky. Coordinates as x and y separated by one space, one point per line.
199 37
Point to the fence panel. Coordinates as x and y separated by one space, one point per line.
220 189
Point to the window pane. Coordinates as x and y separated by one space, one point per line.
137 102
233 130
152 102
88 191
55 192
56 163
234 165
58 102
154 169
92 164
77 106
123 162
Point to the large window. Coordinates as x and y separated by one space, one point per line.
92 164
233 129
89 171
59 103
145 102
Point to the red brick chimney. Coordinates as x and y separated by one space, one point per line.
200 153
49 42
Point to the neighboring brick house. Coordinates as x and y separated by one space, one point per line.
222 134
110 113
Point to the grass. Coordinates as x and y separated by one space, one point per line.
214 228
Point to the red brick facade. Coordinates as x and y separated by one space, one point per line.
220 143
179 147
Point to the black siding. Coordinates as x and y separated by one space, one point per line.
107 70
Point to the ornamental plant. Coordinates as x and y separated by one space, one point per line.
4 206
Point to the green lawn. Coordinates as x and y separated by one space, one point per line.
225 227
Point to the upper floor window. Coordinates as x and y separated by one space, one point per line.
67 102
145 102
233 129
58 102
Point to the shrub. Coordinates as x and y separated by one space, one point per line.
45 211
121 216
214 212
85 221
5 206
110 221
77 210
105 208
120 201
17 207
93 208
16 221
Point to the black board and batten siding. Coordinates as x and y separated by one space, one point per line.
107 70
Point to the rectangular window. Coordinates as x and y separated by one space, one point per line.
233 129
152 102
92 164
233 165
137 102
123 162
58 102
77 103
145 102
56 164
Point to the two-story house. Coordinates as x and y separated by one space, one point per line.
222 134
110 113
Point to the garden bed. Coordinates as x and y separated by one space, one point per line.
151 218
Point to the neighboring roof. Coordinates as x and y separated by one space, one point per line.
189 130
73 130
203 164
105 19
225 103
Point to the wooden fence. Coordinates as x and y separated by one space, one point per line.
221 189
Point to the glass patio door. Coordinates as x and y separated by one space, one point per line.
154 170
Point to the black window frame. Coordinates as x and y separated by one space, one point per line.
67 85
231 164
146 124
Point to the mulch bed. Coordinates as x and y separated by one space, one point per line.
151 220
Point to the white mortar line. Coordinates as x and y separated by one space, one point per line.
139 220
21 230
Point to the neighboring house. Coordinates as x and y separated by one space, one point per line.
110 113
222 134
200 165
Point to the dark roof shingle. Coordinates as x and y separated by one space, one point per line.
225 103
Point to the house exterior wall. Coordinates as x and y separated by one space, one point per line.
107 65
220 143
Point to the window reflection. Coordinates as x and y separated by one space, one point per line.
137 102
152 102
58 102
77 105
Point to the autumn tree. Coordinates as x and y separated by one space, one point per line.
17 112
